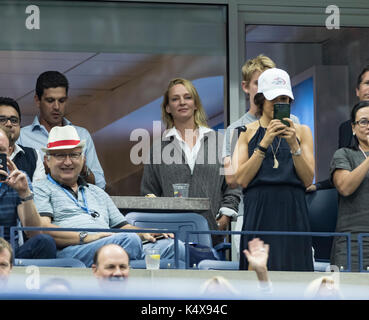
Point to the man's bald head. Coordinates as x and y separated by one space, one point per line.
111 261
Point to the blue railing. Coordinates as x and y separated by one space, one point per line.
284 233
13 230
361 253
1 231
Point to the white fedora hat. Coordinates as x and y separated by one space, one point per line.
61 138
273 83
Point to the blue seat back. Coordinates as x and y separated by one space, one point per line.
183 222
218 265
323 209
59 262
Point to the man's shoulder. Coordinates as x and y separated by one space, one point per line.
27 149
345 124
237 123
97 190
26 129
43 184
244 120
94 187
80 130
31 126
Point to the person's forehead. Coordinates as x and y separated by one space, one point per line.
8 111
256 74
112 255
365 76
178 89
4 255
56 93
114 260
362 112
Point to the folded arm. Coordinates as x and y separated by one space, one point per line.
347 181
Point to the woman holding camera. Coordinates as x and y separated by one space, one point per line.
275 163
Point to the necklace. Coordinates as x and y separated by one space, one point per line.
276 163
363 152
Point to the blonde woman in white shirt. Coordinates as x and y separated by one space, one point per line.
189 154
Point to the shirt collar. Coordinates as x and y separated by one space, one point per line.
17 149
172 132
36 122
81 183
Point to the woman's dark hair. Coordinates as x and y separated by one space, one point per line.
362 104
259 100
356 108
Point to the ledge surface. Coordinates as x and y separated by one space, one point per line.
161 203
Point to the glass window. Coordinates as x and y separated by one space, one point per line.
118 58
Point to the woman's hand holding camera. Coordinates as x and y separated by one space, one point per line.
275 128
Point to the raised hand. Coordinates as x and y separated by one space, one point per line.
16 179
257 255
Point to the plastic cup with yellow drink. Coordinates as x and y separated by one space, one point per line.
152 258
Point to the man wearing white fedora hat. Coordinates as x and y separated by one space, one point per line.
51 97
65 200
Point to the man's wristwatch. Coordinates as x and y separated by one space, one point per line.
82 236
30 197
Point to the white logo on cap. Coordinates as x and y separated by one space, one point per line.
279 81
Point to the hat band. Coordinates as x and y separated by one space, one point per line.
63 143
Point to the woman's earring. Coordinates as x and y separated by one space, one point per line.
353 133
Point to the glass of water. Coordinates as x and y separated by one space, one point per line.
180 190
152 258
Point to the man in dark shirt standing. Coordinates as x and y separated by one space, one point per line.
345 135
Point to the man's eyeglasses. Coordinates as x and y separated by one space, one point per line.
63 156
13 120
362 122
